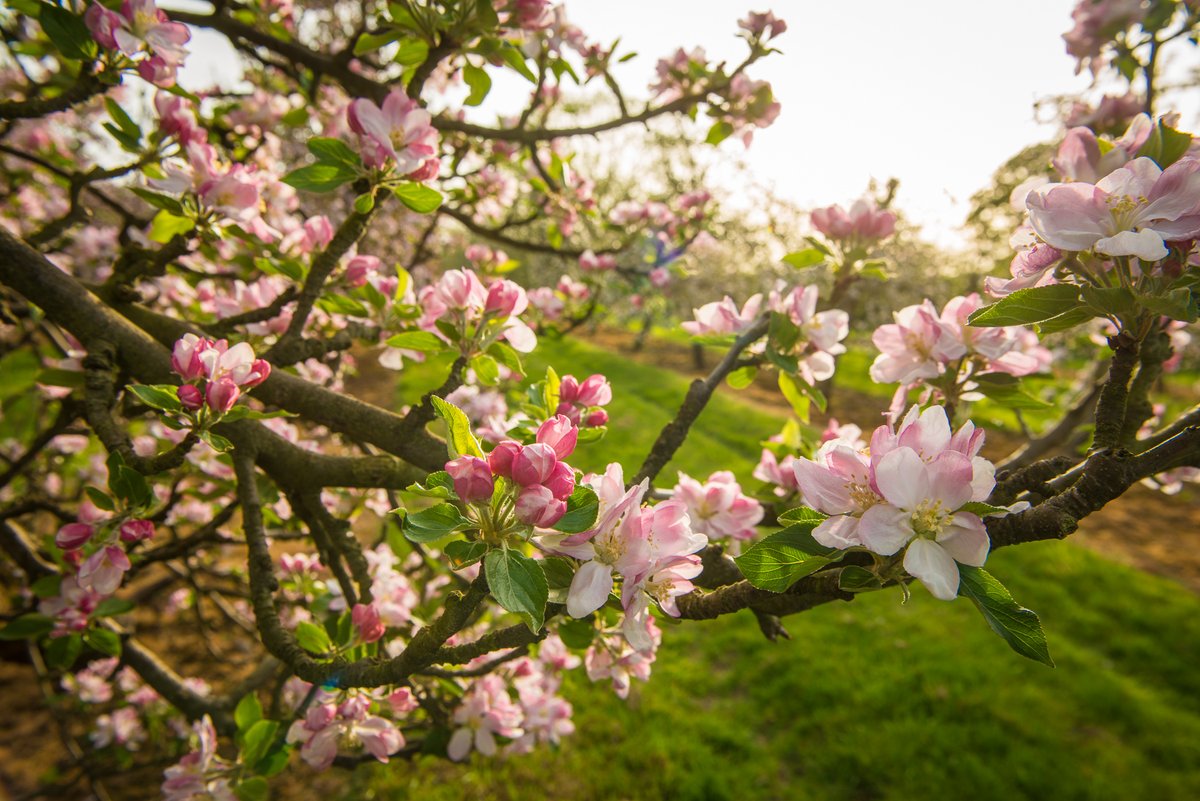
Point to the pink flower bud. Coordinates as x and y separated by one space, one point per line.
568 389
190 396
222 394
260 370
365 618
103 24
460 289
403 701
570 411
319 230
560 434
505 299
561 482
537 506
428 170
501 458
73 535
136 530
185 358
472 476
595 391
158 71
359 267
533 464
597 418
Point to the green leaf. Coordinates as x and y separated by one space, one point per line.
111 607
1178 304
313 638
47 586
462 553
55 377
803 516
248 712
437 485
253 789
157 396
434 523
800 259
1062 322
719 132
105 641
370 42
62 652
258 738
166 226
854 578
504 354
1109 300
364 203
27 627
123 120
68 32
100 499
577 634
1026 306
1020 627
319 177
20 370
983 509
1006 390
334 151
127 484
486 369
342 304
412 52
480 83
550 394
514 58
742 377
559 572
781 559
418 197
582 508
518 584
795 396
461 441
216 442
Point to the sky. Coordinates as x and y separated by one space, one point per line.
937 93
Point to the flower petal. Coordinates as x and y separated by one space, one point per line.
936 569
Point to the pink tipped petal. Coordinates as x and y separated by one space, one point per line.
884 529
902 478
966 540
589 589
950 478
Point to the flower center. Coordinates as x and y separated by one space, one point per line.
1125 210
930 519
862 496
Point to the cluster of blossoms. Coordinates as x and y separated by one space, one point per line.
820 333
652 549
542 480
717 507
1112 113
350 723
582 402
200 773
141 29
909 491
943 352
1096 23
229 191
480 315
215 373
101 571
397 135
863 224
776 465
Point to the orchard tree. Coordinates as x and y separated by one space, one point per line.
187 278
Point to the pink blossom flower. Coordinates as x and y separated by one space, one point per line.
717 508
590 262
460 289
360 267
103 570
916 346
1080 157
505 299
472 479
185 358
762 25
533 464
222 394
723 317
365 618
190 397
399 131
136 530
594 391
863 223
500 460
560 434
537 506
486 712
777 471
1132 211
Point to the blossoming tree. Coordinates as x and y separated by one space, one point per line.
186 279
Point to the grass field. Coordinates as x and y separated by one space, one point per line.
869 700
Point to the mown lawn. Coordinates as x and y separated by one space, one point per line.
869 700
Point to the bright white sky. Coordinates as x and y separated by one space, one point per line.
937 93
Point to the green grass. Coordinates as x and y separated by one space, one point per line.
869 700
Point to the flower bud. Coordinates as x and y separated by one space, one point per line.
190 396
365 618
500 460
472 476
560 434
222 394
185 357
568 389
537 506
73 536
595 391
570 411
260 370
505 299
359 267
428 170
136 530
597 418
533 464
158 71
561 482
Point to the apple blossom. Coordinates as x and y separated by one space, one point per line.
74 535
863 223
472 479
399 131
365 618
486 712
717 508
104 569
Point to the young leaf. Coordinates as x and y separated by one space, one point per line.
480 83
319 177
434 523
248 712
334 151
461 441
67 31
418 197
809 257
518 584
462 553
1026 306
1020 627
27 627
113 606
165 226
802 515
313 638
157 396
854 578
258 738
582 508
781 559
105 641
